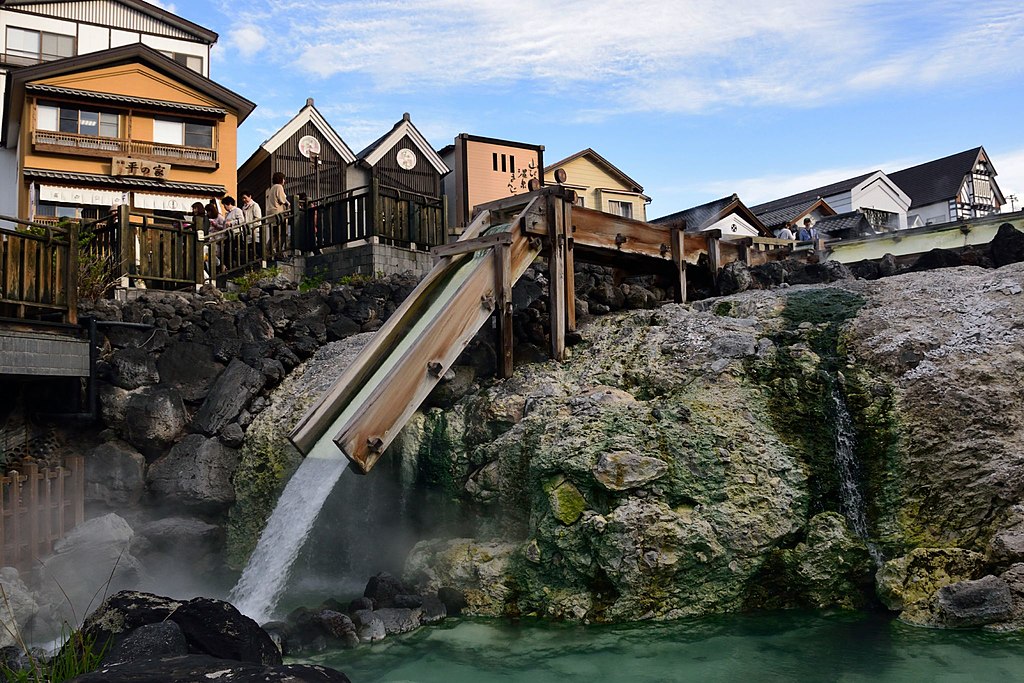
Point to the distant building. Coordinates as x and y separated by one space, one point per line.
848 225
728 214
485 169
881 201
600 185
128 125
952 188
315 160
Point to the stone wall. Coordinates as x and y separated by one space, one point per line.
369 259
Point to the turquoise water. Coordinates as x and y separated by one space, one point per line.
765 647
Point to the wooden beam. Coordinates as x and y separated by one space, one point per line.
714 253
678 249
556 277
475 244
615 233
503 311
570 268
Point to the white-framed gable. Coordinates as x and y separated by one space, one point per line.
309 114
128 15
876 192
403 128
733 226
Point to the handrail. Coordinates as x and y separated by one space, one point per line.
145 148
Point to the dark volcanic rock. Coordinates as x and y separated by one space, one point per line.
132 368
734 278
154 418
196 472
383 588
937 258
190 368
1007 246
975 603
124 612
114 474
216 628
816 273
865 269
201 668
453 599
236 386
162 639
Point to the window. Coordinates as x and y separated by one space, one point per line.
190 134
67 119
31 47
881 220
624 209
191 61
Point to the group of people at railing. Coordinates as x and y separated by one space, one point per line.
805 233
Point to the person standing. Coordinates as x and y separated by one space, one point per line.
805 234
785 233
250 208
276 200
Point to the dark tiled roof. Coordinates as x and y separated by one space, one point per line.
776 218
123 99
806 198
851 223
124 181
376 143
938 180
699 216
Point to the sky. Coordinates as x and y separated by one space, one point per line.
693 99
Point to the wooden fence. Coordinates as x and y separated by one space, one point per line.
38 271
37 509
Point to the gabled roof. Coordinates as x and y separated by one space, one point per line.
379 147
124 99
703 215
940 180
134 53
600 161
123 181
308 114
852 222
99 11
792 214
807 197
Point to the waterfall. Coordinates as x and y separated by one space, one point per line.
266 575
851 498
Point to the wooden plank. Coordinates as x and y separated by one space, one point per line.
503 312
615 233
570 268
678 249
714 254
30 271
475 244
15 556
13 269
70 276
31 480
62 523
77 464
126 241
556 278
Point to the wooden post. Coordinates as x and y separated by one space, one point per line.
714 254
678 262
72 274
556 277
570 269
48 504
4 488
126 242
63 502
201 228
31 479
297 226
15 558
503 311
78 488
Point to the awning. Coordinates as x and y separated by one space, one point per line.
164 202
81 195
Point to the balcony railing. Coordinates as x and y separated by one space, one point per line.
91 145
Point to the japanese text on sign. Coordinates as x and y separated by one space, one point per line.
139 169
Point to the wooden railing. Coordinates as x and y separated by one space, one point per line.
163 253
38 271
409 220
250 245
338 219
37 509
92 145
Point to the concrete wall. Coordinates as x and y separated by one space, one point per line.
369 259
932 213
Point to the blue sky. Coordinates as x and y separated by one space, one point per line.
694 99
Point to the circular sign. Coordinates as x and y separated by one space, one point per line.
406 158
309 145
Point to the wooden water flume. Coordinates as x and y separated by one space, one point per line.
372 400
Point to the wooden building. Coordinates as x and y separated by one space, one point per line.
600 185
315 160
485 169
728 214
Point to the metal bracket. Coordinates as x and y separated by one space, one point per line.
435 368
619 240
375 444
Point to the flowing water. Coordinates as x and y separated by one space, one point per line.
845 647
266 575
851 499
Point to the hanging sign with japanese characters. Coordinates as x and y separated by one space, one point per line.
138 168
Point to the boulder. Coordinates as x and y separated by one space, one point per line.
1007 246
909 584
398 619
132 368
193 668
622 470
232 391
149 641
383 588
171 538
196 473
888 267
866 270
432 610
154 419
216 628
369 626
975 603
123 612
190 368
937 258
19 607
817 273
340 327
114 475
734 278
113 404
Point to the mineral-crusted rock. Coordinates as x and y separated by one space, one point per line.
910 584
622 470
478 569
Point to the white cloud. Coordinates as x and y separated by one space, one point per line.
248 40
1010 167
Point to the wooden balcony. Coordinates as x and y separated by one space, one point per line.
93 146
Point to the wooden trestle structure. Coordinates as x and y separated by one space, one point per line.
364 410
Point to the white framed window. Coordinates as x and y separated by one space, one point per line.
68 119
187 133
624 209
191 61
31 47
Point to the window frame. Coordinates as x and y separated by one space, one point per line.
104 118
39 56
615 206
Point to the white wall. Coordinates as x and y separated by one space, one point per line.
877 192
932 213
733 227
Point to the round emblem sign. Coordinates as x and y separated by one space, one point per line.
309 145
406 158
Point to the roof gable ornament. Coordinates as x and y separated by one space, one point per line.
309 114
378 148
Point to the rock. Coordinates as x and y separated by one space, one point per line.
815 273
1007 246
479 570
94 557
196 473
216 628
383 588
369 626
909 584
154 419
832 566
398 619
335 624
360 604
733 346
340 327
19 607
975 603
232 436
150 641
123 612
407 601
232 391
1014 578
190 368
453 600
734 278
165 540
456 384
483 486
132 368
567 503
193 668
937 258
887 267
114 475
432 610
113 403
866 270
621 470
